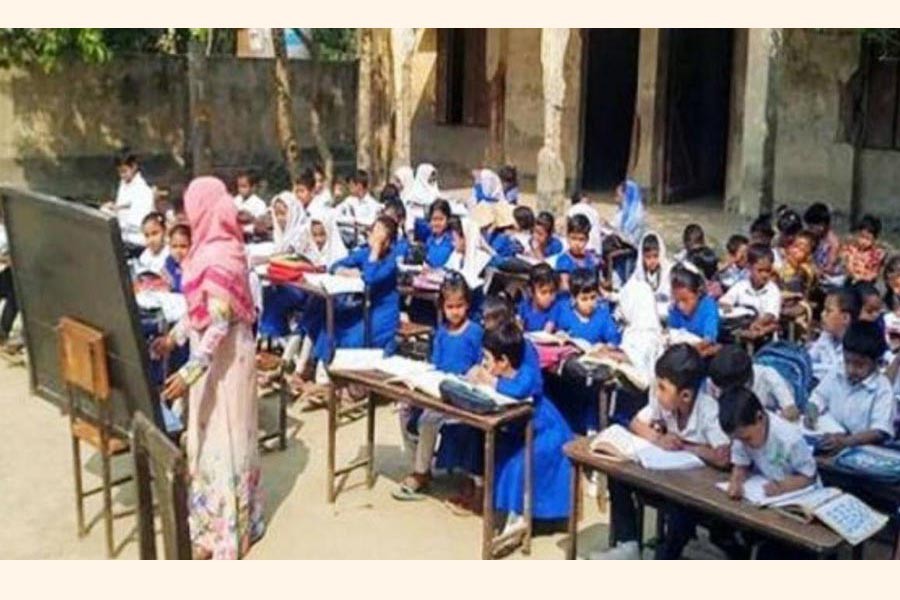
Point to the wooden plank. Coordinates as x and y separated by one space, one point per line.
695 489
440 84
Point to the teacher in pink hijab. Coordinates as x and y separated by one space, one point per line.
219 379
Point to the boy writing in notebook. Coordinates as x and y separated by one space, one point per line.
765 443
859 398
679 416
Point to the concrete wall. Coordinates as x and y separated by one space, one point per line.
457 149
810 164
59 131
454 149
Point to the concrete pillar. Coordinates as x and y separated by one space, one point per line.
649 107
497 51
551 172
751 160
403 44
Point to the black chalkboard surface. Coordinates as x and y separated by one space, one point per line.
69 260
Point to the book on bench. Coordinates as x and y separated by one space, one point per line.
618 443
622 369
845 514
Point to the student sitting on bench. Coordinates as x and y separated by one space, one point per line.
859 397
679 416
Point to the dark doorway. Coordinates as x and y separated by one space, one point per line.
697 105
610 84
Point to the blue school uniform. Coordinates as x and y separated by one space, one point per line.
400 248
534 318
512 194
599 327
566 263
173 269
504 246
554 247
280 304
380 277
438 249
457 352
552 470
704 322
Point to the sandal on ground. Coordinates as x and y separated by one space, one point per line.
412 487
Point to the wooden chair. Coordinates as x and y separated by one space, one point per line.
158 460
83 367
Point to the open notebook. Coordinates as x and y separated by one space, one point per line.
415 374
635 376
617 442
336 284
844 513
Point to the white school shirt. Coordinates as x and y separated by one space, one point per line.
860 407
362 210
770 387
784 453
827 355
702 426
766 300
4 246
134 201
155 263
595 241
254 205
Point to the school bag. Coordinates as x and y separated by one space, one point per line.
467 397
793 363
286 269
872 462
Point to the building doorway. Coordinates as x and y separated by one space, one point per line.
698 86
611 73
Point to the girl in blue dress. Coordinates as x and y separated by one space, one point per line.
543 243
509 369
439 244
377 265
456 349
692 309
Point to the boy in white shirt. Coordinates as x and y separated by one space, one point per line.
360 206
827 352
758 291
679 416
766 443
732 367
860 398
321 192
250 206
134 198
581 205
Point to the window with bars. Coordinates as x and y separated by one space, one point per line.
461 77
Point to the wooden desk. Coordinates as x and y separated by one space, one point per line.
377 384
602 377
434 297
695 489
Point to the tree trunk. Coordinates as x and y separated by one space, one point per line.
364 101
315 107
375 109
496 150
198 106
403 44
284 118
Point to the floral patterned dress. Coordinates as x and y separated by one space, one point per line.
225 500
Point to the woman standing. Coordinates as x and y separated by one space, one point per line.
220 378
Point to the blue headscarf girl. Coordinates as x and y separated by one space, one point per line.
629 220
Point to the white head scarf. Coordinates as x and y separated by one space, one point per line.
423 192
405 178
491 186
662 286
287 239
642 335
334 249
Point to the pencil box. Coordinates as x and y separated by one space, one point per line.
467 397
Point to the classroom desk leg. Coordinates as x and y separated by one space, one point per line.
528 501
370 441
332 438
574 508
329 326
603 400
487 525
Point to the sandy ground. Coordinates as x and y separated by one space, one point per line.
37 512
